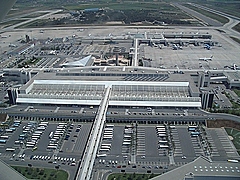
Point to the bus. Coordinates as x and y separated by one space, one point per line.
44 123
233 160
62 123
22 135
58 134
161 131
163 146
41 128
106 144
101 155
160 126
50 135
51 144
107 137
194 134
162 134
108 129
126 143
35 137
107 132
162 142
61 129
10 149
192 128
53 140
105 147
8 130
52 147
16 125
38 132
61 126
58 131
56 137
31 142
30 145
103 150
127 136
17 122
17 142
2 141
4 137
109 126
35 148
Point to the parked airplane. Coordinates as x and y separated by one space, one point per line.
206 59
12 45
147 59
207 46
176 47
234 67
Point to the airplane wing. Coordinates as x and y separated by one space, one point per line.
5 6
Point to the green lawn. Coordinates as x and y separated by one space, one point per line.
42 173
236 137
237 92
125 176
161 6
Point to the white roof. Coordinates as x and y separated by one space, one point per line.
116 103
80 63
110 83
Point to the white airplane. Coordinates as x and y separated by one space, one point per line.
234 67
176 47
206 59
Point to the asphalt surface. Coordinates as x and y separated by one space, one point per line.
206 20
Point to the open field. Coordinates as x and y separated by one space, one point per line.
236 39
237 92
236 137
237 27
144 13
222 123
10 23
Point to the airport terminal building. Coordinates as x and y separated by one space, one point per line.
129 86
86 86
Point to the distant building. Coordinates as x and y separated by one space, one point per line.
92 10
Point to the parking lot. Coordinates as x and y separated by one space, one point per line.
124 147
152 151
45 144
